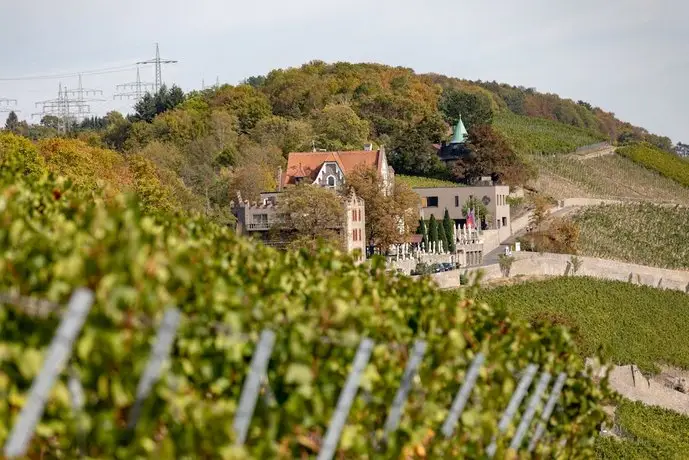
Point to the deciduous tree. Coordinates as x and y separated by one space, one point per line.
338 127
390 218
475 109
314 215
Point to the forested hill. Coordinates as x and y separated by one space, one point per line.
205 146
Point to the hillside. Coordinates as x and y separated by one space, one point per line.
644 234
631 324
208 145
610 177
529 135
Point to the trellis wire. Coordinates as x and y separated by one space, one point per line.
161 350
55 360
257 379
517 397
344 402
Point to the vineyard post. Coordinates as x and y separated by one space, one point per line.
513 405
161 350
344 403
549 407
462 396
530 411
58 354
393 420
252 384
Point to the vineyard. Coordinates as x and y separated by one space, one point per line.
55 237
638 233
538 136
666 164
611 177
633 324
648 432
417 181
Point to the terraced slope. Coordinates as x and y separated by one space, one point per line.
611 177
644 234
529 135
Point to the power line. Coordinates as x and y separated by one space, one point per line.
57 76
158 67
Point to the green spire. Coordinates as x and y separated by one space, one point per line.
460 134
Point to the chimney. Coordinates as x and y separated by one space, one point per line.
368 147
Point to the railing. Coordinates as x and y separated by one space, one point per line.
256 381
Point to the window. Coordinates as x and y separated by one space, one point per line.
359 213
354 235
260 218
456 201
331 181
354 213
504 221
431 201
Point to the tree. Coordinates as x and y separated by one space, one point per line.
245 101
312 215
250 180
541 205
289 135
338 127
478 207
475 109
390 218
433 236
449 227
490 155
153 104
12 123
413 151
442 237
50 121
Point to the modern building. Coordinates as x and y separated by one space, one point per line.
435 200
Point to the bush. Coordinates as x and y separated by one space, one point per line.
54 238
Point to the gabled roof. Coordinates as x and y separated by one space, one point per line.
308 164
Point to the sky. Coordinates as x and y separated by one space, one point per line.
629 57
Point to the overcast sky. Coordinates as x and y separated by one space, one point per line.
630 57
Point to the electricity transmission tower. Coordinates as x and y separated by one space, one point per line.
70 107
158 68
7 105
134 90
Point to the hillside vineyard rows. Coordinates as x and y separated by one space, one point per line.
56 236
608 177
638 233
633 324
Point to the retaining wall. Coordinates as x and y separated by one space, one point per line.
530 264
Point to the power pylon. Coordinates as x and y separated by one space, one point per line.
158 67
134 90
7 105
69 110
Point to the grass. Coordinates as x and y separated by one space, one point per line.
638 233
648 432
417 181
610 177
631 323
666 164
529 135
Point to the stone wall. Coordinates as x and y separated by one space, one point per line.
530 264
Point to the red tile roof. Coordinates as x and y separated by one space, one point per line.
307 164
